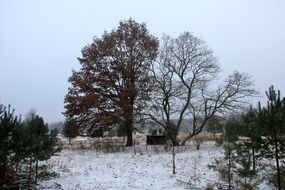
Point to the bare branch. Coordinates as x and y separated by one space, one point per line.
183 77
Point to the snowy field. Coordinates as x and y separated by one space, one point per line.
148 169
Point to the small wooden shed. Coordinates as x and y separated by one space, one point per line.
156 140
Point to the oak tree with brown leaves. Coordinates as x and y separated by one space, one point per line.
110 87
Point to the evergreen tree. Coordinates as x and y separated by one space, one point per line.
41 143
252 130
243 165
21 141
70 129
236 166
257 134
19 147
272 120
230 137
8 122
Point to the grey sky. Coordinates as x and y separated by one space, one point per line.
40 41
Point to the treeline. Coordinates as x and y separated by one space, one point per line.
254 143
22 145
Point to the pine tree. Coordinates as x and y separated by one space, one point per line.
252 130
246 149
21 141
258 133
8 122
230 137
243 165
238 154
19 148
272 120
70 129
41 143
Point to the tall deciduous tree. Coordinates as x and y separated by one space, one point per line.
111 86
183 78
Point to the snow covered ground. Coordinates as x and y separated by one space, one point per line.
88 169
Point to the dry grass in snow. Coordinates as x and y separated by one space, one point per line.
88 169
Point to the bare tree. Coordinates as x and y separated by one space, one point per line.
184 86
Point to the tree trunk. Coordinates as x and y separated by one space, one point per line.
37 165
198 146
2 173
277 162
129 126
17 170
229 167
135 152
174 141
173 160
30 174
253 160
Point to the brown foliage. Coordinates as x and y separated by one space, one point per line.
113 79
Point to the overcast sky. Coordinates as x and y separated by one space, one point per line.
41 40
